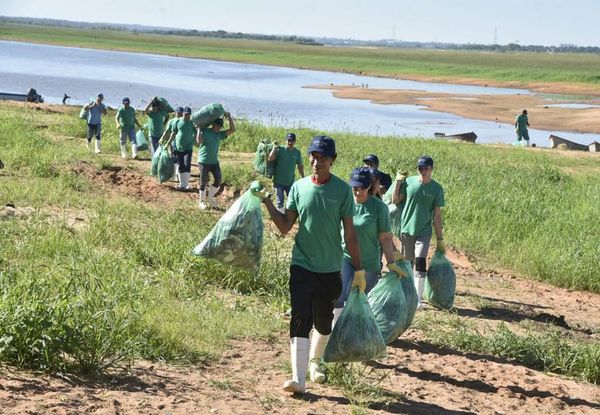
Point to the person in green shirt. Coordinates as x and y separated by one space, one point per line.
167 134
126 122
322 204
286 159
372 224
209 141
157 119
423 199
184 134
521 124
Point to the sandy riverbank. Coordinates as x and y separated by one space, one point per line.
499 108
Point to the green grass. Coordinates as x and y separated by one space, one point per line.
390 62
541 349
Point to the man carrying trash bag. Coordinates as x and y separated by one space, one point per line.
322 203
424 198
287 159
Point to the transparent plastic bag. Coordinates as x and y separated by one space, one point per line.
165 166
154 163
355 336
207 115
237 237
388 303
410 291
261 159
440 285
140 140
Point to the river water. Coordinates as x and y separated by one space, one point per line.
269 94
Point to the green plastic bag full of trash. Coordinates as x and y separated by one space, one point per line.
394 210
261 159
164 105
440 285
140 140
165 167
237 237
388 303
83 114
410 291
355 336
207 115
154 162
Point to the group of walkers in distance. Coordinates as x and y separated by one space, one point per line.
344 227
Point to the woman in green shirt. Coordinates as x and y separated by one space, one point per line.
184 132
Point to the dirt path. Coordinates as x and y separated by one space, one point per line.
418 378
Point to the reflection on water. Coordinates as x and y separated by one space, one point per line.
268 94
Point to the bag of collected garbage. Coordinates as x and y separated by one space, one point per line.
410 291
440 284
165 167
207 115
154 163
355 336
237 237
83 114
261 159
140 140
388 303
164 105
394 210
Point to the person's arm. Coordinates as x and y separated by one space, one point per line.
398 195
199 137
117 120
90 105
104 112
147 108
437 223
283 221
386 240
351 241
301 169
136 122
231 129
274 151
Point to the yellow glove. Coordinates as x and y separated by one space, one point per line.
441 246
359 280
398 256
395 268
401 175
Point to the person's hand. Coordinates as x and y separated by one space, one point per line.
359 280
398 256
396 268
261 194
227 114
275 143
401 175
441 246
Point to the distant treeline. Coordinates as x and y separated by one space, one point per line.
511 47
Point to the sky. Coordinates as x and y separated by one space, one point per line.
545 22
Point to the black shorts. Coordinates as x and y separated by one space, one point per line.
313 296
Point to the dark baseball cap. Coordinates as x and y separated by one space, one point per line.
322 144
360 177
179 109
425 161
100 95
126 100
376 174
187 110
371 158
290 136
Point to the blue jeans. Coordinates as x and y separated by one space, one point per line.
347 277
127 133
154 143
281 189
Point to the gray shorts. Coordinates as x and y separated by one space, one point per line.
415 246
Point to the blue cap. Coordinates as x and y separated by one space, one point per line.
371 158
425 161
187 110
322 144
100 95
179 109
360 177
126 100
290 136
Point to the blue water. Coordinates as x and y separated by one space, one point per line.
268 94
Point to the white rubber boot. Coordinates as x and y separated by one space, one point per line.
123 151
420 286
281 209
184 181
211 196
317 348
97 150
336 316
176 171
134 151
202 204
87 144
299 355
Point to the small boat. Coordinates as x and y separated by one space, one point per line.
563 142
469 137
30 96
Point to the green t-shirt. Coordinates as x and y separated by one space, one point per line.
171 124
522 122
126 117
285 164
186 135
318 243
209 149
370 219
156 123
420 199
